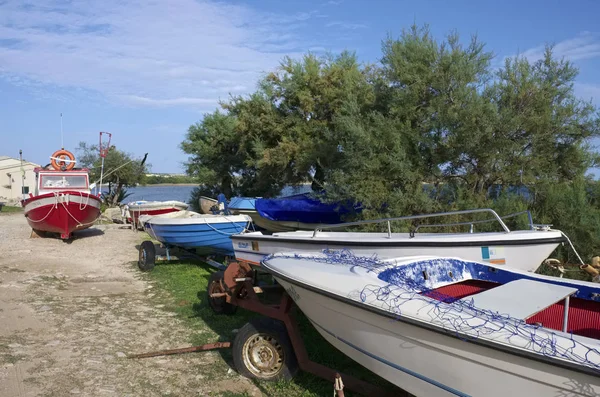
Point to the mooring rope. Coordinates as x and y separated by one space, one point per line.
55 205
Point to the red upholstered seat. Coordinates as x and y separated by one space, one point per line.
584 315
452 292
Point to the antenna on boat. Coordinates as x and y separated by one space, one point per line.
62 141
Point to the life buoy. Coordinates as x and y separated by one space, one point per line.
62 160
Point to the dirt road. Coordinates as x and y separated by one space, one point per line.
71 312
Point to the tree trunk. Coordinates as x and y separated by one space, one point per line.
115 198
226 187
317 184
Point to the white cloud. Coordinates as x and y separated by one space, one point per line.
346 25
140 100
584 46
144 53
334 2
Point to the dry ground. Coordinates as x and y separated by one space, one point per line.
71 311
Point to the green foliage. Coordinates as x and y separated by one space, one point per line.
432 127
121 169
572 207
115 197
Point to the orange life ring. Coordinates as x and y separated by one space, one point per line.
62 160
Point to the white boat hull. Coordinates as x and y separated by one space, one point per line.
518 250
206 203
430 363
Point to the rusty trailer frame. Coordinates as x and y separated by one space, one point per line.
238 289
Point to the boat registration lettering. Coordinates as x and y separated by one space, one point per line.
292 293
243 245
493 255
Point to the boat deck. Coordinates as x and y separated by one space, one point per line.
583 319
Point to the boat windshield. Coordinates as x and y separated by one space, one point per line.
63 181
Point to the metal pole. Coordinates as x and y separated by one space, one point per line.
62 141
566 314
22 175
101 174
201 348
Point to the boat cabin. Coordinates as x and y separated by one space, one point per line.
50 181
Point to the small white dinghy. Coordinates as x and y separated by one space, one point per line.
446 326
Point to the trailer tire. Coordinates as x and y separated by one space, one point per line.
147 256
262 350
218 305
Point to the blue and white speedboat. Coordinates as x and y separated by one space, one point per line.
205 233
438 326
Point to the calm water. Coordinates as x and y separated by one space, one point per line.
159 193
182 192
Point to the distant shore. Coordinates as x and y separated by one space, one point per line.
169 184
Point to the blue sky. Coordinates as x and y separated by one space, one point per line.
146 70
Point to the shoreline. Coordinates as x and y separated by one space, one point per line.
167 184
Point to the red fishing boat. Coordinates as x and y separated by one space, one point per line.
62 202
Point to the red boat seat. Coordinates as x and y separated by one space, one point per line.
452 292
584 315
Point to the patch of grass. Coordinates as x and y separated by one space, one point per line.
9 209
11 359
12 269
231 394
186 284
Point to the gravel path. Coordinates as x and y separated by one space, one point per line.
71 312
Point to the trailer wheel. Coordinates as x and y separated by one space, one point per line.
218 305
262 350
147 256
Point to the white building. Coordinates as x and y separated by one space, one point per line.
11 176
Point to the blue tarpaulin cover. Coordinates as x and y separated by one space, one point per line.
302 208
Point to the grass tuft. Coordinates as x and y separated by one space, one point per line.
9 209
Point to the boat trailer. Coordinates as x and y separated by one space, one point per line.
236 286
266 348
148 256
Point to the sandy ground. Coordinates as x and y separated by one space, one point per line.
71 312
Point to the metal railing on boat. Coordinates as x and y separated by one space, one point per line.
495 215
